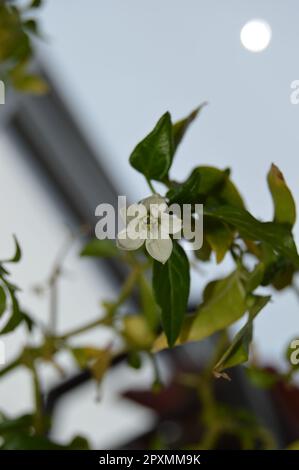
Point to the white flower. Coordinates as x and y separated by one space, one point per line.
149 222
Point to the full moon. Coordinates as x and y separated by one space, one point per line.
256 35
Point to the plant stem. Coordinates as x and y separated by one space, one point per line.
151 186
39 416
82 329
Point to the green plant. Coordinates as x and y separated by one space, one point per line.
263 253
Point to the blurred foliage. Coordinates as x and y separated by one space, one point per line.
263 254
18 28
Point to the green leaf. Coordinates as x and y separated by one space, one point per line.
180 127
22 441
100 248
202 181
2 301
206 184
16 317
238 351
255 277
17 255
224 303
83 356
149 306
262 378
153 155
187 192
23 422
36 3
204 253
276 235
229 194
29 83
220 238
101 364
284 204
171 284
31 26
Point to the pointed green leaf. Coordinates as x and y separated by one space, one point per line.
284 204
17 255
171 284
238 351
202 181
180 127
224 303
16 317
277 236
148 303
220 238
153 155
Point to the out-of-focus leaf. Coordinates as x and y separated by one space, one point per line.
224 303
255 277
284 204
171 284
28 320
21 441
153 155
149 306
84 355
220 238
29 83
276 235
100 248
20 423
17 254
134 359
229 194
278 270
36 3
180 127
31 26
204 253
16 317
238 351
101 364
137 332
2 301
261 378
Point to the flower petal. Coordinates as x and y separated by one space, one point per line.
125 242
171 223
155 199
159 249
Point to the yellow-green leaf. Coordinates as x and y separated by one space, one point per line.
224 303
284 204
